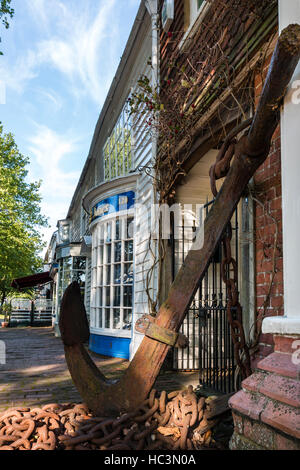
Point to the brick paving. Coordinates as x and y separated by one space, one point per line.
36 373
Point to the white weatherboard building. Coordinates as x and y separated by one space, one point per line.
103 243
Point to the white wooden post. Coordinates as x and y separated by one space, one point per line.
289 12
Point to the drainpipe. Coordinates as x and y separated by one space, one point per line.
152 7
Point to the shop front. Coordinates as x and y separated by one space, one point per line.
71 266
111 209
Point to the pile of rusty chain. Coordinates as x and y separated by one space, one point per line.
233 308
164 421
38 428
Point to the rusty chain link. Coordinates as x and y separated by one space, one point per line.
175 420
234 308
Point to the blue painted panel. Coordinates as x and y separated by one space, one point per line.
116 203
111 346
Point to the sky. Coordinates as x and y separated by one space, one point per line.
60 57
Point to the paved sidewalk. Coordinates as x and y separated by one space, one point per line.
36 373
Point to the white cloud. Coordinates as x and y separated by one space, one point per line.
50 97
82 53
37 10
17 75
49 150
80 46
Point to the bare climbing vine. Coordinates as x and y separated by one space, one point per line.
194 80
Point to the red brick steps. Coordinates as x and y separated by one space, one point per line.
281 364
267 409
282 389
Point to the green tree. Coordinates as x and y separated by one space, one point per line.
6 12
20 217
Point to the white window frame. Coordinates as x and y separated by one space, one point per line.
99 281
196 16
123 130
195 10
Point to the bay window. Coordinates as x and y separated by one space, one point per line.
112 275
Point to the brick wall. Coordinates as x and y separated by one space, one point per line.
268 235
252 435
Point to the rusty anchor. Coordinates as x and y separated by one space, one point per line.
106 397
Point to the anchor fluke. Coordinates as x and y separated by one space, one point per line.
73 323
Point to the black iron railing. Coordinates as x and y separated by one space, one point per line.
210 347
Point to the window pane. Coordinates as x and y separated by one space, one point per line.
108 253
67 262
118 229
106 160
66 276
128 273
118 248
79 276
117 296
100 319
119 160
100 255
100 296
129 230
117 274
108 232
101 234
107 318
108 271
127 296
112 158
100 276
128 250
116 318
127 315
107 295
78 262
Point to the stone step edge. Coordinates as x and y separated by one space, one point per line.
263 409
282 389
280 364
